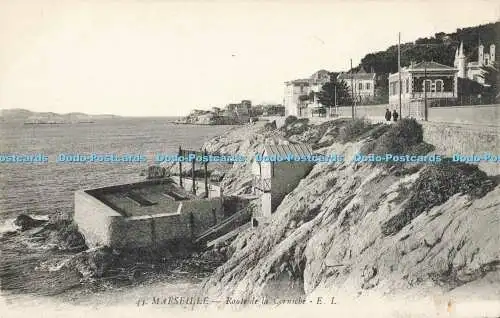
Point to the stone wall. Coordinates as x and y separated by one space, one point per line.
370 111
484 115
202 213
487 115
464 139
133 232
95 219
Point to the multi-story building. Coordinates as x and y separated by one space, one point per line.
430 80
298 99
361 85
240 111
472 70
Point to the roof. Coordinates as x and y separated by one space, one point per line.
320 75
357 76
284 150
142 198
305 81
431 65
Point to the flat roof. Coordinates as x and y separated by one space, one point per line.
143 198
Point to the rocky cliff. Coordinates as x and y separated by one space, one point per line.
361 229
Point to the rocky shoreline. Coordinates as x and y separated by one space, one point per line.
360 230
49 257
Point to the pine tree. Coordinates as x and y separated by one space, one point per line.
327 94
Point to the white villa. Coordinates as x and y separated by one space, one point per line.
303 87
360 84
435 81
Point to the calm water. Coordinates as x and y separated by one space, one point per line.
43 188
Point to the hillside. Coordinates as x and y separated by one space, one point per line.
439 48
27 116
363 231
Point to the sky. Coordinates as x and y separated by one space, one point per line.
164 58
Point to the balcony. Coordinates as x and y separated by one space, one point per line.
418 95
262 184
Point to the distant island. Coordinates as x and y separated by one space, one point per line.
48 118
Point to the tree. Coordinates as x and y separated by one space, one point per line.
326 96
491 76
303 98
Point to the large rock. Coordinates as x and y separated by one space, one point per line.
26 222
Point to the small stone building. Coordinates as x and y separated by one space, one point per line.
273 180
151 214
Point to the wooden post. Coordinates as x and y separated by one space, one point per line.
352 93
180 167
426 112
206 175
193 185
399 74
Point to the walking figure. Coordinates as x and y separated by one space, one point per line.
387 114
395 115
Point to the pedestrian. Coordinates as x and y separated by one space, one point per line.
387 114
395 115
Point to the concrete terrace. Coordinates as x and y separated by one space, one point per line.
144 214
144 198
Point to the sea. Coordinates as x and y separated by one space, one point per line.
43 189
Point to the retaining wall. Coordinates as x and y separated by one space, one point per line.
95 219
464 139
487 115
484 115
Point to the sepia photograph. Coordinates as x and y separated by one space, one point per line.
293 158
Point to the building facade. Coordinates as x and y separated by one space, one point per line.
274 180
472 70
239 112
437 83
300 98
361 85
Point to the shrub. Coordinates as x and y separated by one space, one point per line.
298 127
270 126
354 129
400 138
290 119
435 185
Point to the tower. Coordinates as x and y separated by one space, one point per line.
480 55
460 61
492 53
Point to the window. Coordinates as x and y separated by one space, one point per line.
367 86
360 86
427 85
407 85
393 88
439 85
